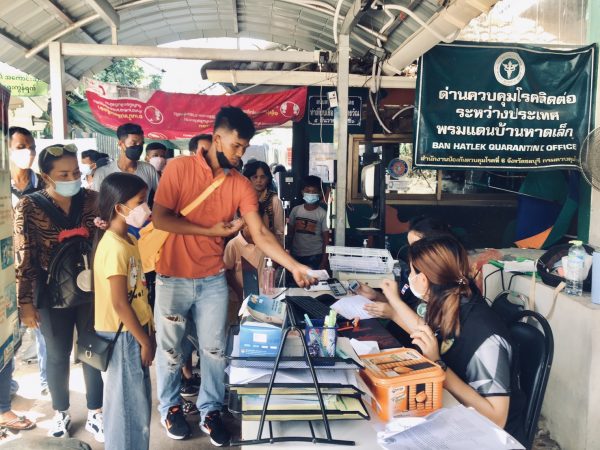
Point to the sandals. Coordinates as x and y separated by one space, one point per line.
21 423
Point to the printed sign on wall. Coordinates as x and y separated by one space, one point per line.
497 106
319 111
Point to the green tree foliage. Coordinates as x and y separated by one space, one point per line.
155 81
125 72
128 72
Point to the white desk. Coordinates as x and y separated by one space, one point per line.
571 404
363 432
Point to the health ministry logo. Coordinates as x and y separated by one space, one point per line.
509 69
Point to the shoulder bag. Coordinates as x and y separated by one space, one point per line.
95 350
152 240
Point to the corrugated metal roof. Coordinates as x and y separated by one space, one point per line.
27 23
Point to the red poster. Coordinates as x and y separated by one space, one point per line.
165 115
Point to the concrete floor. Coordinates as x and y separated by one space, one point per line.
37 407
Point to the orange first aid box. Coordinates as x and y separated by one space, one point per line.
403 382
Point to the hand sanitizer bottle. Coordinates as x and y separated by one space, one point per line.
268 278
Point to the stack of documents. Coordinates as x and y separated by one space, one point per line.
457 428
298 407
294 396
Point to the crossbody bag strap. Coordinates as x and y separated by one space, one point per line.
209 190
114 341
56 215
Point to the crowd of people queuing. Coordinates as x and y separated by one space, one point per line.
197 287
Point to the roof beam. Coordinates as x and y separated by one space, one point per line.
143 51
236 27
449 20
302 78
57 12
106 11
14 42
353 15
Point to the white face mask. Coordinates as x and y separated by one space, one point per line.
85 169
158 162
21 158
138 216
413 289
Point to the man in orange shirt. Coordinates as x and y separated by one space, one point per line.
190 272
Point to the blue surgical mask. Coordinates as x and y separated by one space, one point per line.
67 188
310 198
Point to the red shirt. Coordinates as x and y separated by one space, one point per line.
184 179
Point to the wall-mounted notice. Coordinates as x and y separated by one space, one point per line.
321 113
498 106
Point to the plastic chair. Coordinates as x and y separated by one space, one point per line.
535 350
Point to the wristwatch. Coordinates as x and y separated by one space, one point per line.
442 364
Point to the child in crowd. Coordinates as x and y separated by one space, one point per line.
121 296
307 229
240 246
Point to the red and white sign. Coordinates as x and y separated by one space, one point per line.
165 115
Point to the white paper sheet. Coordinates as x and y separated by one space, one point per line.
456 428
352 306
241 375
364 347
519 266
318 274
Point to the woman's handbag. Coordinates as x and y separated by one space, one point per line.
152 240
95 350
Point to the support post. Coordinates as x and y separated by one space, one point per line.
342 138
57 92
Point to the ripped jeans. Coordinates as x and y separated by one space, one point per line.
207 301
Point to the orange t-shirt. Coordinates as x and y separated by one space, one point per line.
184 179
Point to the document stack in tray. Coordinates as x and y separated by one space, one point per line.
252 356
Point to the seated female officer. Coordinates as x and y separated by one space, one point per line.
460 333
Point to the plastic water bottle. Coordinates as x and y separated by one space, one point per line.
268 278
387 245
575 265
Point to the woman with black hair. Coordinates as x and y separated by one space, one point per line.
36 238
121 304
425 226
269 205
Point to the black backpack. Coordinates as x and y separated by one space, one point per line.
68 281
